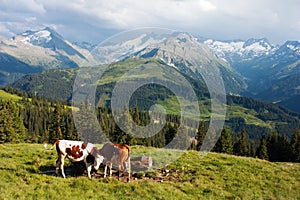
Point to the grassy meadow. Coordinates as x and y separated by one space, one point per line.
212 176
8 96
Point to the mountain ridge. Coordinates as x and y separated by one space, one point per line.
256 117
41 50
266 70
249 67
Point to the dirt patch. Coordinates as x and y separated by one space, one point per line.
157 175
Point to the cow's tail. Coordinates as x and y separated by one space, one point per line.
128 149
128 157
52 147
128 162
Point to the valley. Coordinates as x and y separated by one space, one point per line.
193 99
254 68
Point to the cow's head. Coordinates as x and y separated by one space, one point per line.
98 158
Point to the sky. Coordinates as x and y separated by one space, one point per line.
95 20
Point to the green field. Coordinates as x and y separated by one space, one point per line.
6 96
213 176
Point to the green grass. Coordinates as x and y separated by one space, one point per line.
7 96
250 116
213 176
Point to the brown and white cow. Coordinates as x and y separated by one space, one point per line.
76 151
118 154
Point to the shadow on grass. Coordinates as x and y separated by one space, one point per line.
74 169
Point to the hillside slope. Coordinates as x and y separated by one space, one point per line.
256 117
214 176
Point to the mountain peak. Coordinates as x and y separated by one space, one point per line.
293 43
292 46
50 39
41 37
263 42
239 49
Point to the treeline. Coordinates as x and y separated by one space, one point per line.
35 120
272 147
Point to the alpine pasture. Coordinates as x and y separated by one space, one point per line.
26 173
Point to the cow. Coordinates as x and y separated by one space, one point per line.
77 151
118 154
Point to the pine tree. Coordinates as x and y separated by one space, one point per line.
87 124
241 147
285 150
12 128
182 139
273 148
200 135
263 149
125 122
295 146
224 143
171 133
136 116
55 131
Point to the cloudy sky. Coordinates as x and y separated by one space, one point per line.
96 20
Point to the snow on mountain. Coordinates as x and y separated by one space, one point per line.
36 51
256 61
272 72
290 48
47 48
238 49
179 50
37 38
120 48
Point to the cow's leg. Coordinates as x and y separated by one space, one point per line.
57 166
89 168
120 169
61 165
110 169
128 167
105 170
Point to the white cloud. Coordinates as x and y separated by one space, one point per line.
23 6
5 31
225 19
207 6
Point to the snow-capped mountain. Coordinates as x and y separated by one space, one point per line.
49 39
179 50
238 50
38 50
119 48
254 67
272 72
37 38
290 49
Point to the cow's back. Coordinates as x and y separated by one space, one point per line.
108 150
74 150
124 151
